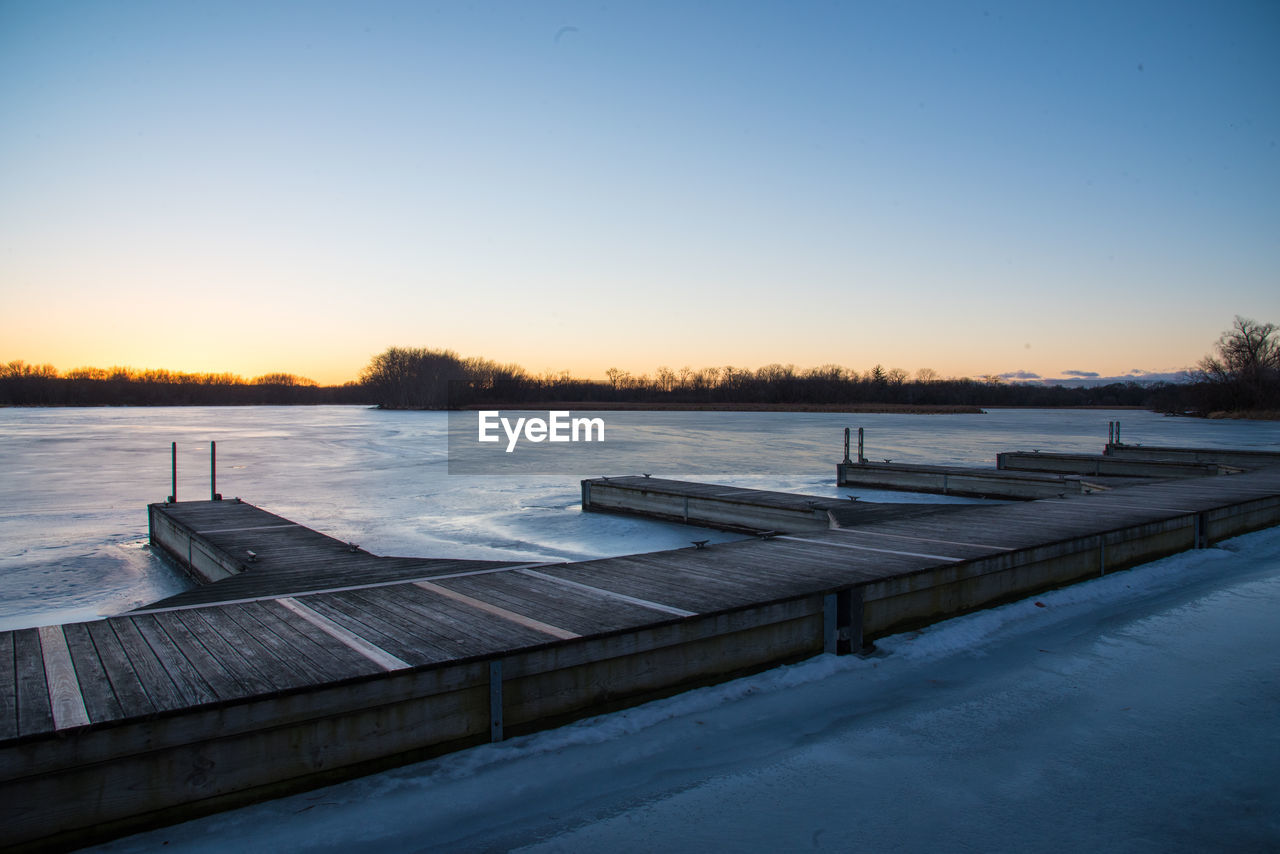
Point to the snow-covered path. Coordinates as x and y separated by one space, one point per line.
1139 712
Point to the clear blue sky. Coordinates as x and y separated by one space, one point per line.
973 187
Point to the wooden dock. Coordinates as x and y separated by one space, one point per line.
252 553
1238 458
970 481
277 679
731 508
1102 465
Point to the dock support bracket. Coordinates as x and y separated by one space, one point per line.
1201 534
842 622
495 700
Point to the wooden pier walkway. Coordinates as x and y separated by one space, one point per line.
735 508
287 675
1239 458
252 553
1102 465
971 481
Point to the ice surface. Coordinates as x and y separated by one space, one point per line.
75 482
1134 713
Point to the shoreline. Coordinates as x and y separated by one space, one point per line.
623 406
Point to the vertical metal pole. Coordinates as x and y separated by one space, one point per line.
861 458
846 444
855 620
1117 432
213 471
842 622
1111 431
495 700
173 496
830 628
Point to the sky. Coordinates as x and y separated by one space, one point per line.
977 188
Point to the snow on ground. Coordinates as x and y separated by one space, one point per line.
1138 712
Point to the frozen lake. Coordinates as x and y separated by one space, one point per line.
75 482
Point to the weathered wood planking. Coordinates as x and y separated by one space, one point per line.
380 671
969 481
1100 465
264 555
734 508
1238 457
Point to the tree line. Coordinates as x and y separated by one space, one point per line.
423 378
1241 375
22 384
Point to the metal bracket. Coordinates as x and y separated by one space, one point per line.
495 700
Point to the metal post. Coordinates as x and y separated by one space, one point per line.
495 700
842 622
1111 432
861 458
846 445
1117 432
213 472
830 620
173 496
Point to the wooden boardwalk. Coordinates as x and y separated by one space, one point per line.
334 662
1102 465
972 481
737 508
1240 458
264 554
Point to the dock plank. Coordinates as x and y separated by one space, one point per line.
65 698
223 685
464 631
125 684
350 662
280 674
279 647
95 686
151 671
321 656
574 609
35 713
368 624
8 688
233 660
186 678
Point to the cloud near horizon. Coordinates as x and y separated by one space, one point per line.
1021 375
1089 374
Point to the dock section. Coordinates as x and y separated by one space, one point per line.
968 481
735 508
1242 458
1102 465
182 709
252 553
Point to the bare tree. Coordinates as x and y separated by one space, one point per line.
1246 362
